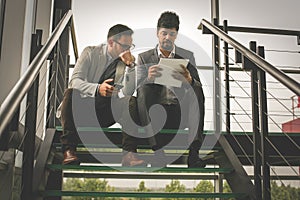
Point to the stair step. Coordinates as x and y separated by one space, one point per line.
56 193
171 131
153 175
139 169
99 145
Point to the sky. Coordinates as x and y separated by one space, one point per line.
93 18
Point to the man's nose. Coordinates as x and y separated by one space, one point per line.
168 36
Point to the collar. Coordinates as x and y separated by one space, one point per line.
161 55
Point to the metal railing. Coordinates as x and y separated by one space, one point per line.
263 64
14 98
51 60
252 60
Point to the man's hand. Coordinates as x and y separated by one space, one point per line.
106 89
127 58
184 75
153 72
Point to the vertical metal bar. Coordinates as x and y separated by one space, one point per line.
62 68
217 83
53 70
255 127
13 126
264 129
30 127
215 10
2 15
220 180
216 73
227 86
29 142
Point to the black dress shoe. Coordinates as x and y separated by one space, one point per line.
195 162
131 159
70 158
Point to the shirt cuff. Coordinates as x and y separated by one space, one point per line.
97 90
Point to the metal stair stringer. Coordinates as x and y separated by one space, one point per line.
44 179
238 179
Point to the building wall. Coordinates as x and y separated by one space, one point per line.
12 44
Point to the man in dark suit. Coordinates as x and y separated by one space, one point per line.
184 105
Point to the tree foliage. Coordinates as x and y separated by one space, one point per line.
284 192
281 192
277 192
142 188
204 187
175 186
88 184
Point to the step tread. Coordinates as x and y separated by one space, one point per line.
139 169
111 146
143 194
153 175
172 131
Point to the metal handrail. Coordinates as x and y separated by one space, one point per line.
260 62
73 36
14 98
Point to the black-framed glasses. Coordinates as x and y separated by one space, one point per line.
125 46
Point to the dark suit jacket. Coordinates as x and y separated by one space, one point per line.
149 93
150 57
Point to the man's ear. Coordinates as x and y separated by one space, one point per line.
110 42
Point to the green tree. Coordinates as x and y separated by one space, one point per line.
284 192
277 192
87 185
204 187
227 189
174 186
142 188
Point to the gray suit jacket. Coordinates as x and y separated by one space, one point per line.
90 67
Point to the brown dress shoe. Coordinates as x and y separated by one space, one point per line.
70 158
131 159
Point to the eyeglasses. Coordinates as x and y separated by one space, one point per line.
125 46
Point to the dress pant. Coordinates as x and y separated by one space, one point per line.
78 111
188 112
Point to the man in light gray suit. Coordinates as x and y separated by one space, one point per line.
93 87
184 105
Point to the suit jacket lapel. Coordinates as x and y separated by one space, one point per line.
154 57
101 61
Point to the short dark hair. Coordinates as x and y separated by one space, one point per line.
169 20
118 30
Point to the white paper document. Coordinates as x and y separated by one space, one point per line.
168 66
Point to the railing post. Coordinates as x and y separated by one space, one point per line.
13 126
30 127
59 68
255 127
217 83
53 71
264 128
227 87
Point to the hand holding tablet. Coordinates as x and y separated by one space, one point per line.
168 66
